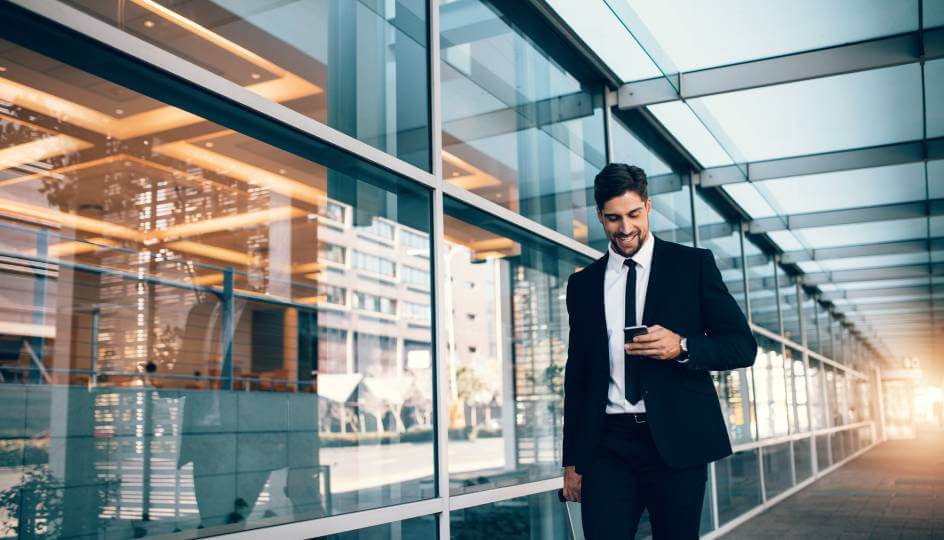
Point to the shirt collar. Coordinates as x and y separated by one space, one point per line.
643 257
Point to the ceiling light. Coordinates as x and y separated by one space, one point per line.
149 24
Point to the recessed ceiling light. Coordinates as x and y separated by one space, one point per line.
119 111
281 171
149 24
256 76
3 68
209 145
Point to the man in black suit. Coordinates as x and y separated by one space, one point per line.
642 419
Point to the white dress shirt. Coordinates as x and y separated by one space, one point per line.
614 301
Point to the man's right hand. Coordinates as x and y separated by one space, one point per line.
572 482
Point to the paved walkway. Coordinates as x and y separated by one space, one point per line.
895 490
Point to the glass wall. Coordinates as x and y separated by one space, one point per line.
789 306
738 488
521 128
359 67
533 517
770 382
762 288
206 331
724 240
506 346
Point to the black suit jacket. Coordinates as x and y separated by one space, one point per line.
686 295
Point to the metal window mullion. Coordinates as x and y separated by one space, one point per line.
713 473
747 295
441 371
696 237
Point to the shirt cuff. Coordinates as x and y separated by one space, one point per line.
682 360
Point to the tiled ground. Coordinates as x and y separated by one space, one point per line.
894 491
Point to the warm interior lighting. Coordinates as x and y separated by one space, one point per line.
208 279
321 298
307 267
40 149
250 174
213 252
580 230
314 276
475 179
226 223
49 215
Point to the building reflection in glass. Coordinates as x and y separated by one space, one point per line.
506 341
198 330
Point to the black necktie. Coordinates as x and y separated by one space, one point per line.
633 390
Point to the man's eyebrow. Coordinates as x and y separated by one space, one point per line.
638 208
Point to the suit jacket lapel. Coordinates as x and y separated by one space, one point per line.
655 292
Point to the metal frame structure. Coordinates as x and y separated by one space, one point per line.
154 71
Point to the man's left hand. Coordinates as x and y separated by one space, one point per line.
659 343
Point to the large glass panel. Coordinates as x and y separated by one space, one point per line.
736 393
822 452
862 233
761 288
734 34
724 240
818 413
842 398
357 66
688 129
671 217
934 90
797 400
803 458
421 528
810 323
824 323
738 484
522 127
835 414
770 385
816 116
506 343
845 189
193 345
608 37
789 306
541 516
778 469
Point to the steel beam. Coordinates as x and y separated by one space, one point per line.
866 214
872 274
827 162
865 250
849 58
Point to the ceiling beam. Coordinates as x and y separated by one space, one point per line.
864 250
865 214
874 274
827 162
849 58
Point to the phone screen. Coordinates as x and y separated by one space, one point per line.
630 332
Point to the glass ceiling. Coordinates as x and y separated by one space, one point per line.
871 114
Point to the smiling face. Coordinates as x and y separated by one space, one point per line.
625 221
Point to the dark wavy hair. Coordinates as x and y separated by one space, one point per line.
618 178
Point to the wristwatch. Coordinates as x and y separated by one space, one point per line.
683 356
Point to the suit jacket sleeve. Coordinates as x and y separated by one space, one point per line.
574 381
728 342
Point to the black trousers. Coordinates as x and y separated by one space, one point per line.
628 476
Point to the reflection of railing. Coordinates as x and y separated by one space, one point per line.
144 377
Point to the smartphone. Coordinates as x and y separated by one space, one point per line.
630 332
